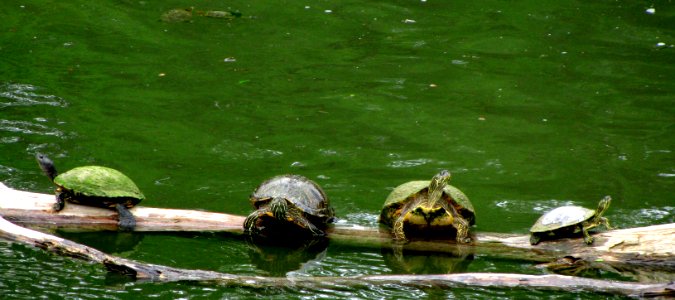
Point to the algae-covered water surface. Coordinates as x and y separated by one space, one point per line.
530 105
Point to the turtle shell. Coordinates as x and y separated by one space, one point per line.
562 217
305 194
101 183
409 191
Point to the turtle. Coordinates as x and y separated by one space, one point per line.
289 200
570 220
177 15
219 14
94 186
420 207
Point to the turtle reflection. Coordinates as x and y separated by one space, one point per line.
106 241
402 261
279 257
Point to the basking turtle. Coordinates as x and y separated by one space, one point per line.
421 207
177 15
185 15
219 14
94 186
569 220
289 200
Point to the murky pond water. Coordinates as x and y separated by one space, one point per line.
530 105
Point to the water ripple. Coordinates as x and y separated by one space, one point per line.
409 163
538 206
26 127
229 149
18 94
359 219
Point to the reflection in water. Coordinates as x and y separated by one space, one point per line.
649 273
110 242
281 257
414 262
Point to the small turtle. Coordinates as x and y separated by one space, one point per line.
218 14
418 207
569 220
94 186
177 15
289 200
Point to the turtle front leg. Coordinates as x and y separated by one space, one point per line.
250 222
534 239
399 234
588 239
462 227
61 197
605 222
460 224
125 219
297 217
60 202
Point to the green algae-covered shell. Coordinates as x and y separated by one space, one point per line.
409 191
562 217
97 181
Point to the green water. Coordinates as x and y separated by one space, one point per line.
530 105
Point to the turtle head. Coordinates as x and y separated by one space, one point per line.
279 207
47 165
603 205
436 187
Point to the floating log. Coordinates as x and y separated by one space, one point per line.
35 208
645 253
159 273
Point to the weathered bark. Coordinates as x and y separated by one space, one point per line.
645 253
159 273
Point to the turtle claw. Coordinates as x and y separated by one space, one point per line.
466 240
605 221
588 239
60 203
126 220
126 225
400 241
303 222
316 232
461 225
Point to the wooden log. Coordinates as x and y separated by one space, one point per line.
35 208
645 254
159 273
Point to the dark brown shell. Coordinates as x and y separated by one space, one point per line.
305 194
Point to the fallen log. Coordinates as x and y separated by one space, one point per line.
35 208
159 273
645 253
